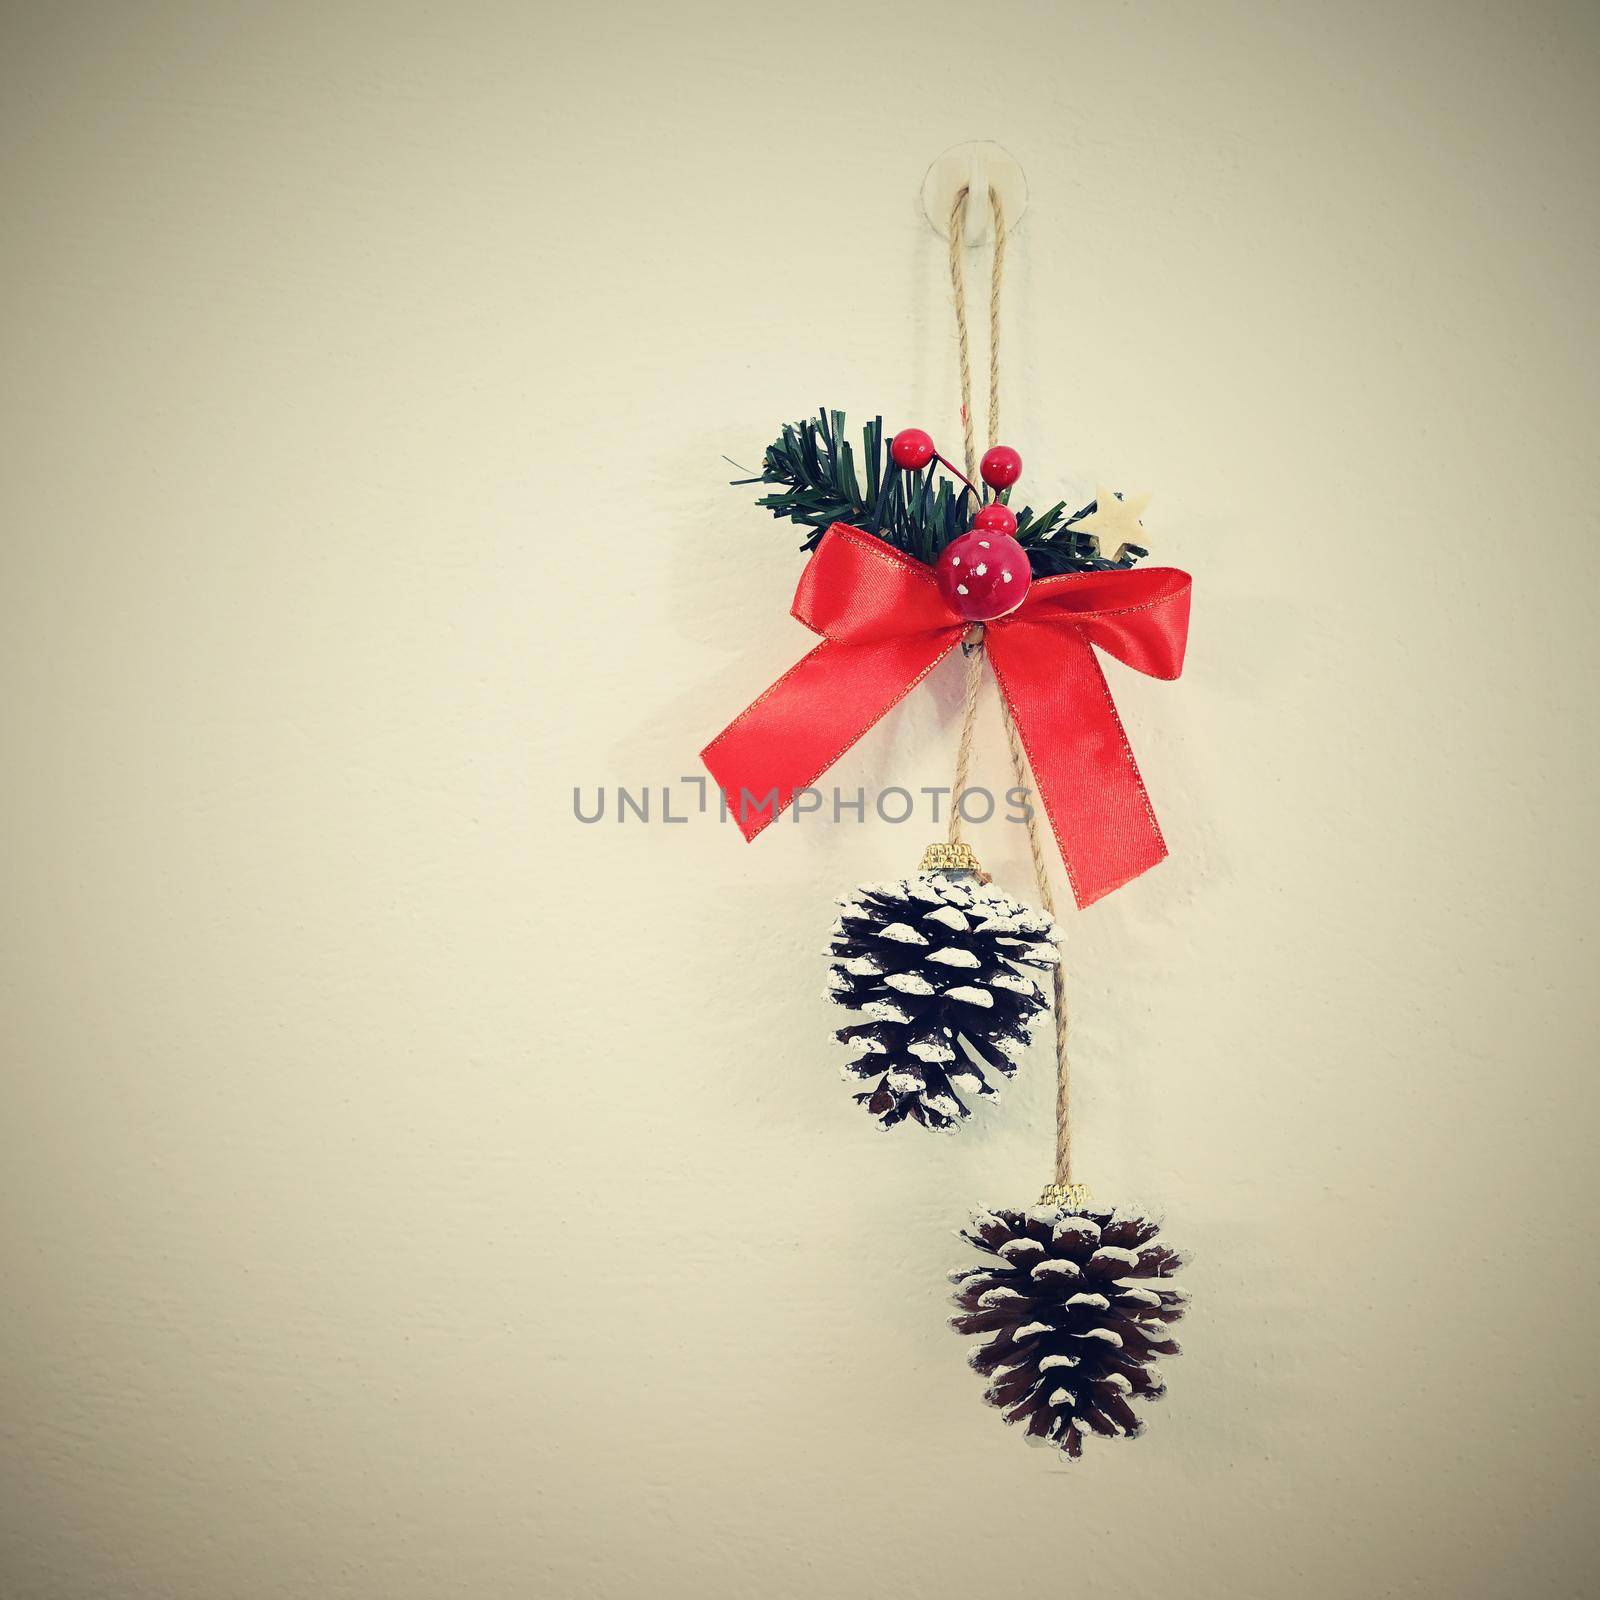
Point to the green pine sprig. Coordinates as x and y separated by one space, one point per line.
818 483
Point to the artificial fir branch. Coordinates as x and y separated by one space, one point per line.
814 466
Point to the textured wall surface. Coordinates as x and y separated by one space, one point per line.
406 1190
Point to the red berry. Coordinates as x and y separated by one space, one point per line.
996 518
983 575
911 449
1001 467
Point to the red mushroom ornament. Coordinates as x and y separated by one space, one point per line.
983 575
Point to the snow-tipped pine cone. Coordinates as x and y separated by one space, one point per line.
935 964
1073 1312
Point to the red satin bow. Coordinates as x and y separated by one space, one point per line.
884 627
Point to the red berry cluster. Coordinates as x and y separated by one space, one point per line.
985 573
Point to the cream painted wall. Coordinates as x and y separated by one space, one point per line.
407 1191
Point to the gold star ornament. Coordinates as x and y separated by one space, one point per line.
1114 523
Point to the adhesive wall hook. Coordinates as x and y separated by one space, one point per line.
976 166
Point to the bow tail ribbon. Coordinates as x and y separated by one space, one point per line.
1083 770
827 700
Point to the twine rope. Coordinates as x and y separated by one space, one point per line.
973 648
974 643
958 282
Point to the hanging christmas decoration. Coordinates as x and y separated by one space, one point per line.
909 559
938 968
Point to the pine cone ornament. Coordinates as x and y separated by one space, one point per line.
1073 1311
935 964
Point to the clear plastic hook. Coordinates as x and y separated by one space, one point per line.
976 166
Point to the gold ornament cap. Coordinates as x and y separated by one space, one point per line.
1068 1196
943 857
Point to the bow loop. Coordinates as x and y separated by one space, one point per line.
1139 615
856 589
